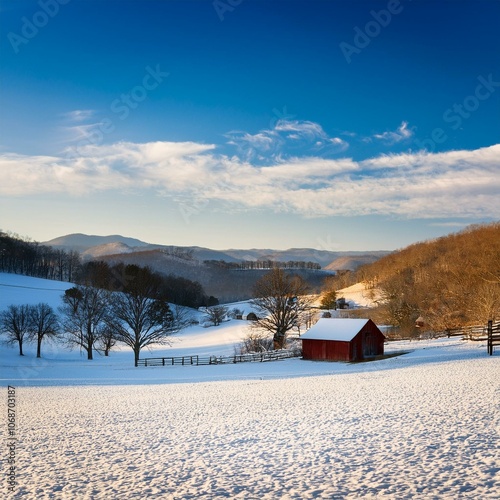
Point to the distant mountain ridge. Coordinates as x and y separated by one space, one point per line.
93 246
82 242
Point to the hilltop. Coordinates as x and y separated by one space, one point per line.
447 282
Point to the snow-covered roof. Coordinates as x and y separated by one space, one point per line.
344 329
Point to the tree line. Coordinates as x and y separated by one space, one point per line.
264 264
22 256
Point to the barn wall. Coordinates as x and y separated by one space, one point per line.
337 351
370 339
325 350
368 342
313 349
356 348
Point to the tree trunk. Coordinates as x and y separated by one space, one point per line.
39 348
279 341
21 348
137 350
90 339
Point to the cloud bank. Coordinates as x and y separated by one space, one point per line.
286 138
413 185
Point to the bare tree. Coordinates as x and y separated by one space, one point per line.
256 341
15 322
86 311
216 314
283 303
44 324
140 316
106 339
183 316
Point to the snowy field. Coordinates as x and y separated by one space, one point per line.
358 295
423 425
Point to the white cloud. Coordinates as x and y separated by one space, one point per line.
392 137
421 185
306 128
80 125
79 115
285 139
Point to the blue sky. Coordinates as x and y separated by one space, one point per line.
338 125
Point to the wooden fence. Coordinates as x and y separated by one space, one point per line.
477 332
490 333
493 336
218 360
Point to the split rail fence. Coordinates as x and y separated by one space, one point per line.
490 333
218 360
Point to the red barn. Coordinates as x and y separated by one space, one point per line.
341 339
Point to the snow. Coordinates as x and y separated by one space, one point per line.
359 295
17 290
423 425
343 329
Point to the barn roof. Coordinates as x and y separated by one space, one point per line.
343 329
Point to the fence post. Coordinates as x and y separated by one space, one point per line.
490 337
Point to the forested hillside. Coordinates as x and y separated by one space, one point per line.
22 256
451 281
227 281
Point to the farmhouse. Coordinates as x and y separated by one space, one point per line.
341 339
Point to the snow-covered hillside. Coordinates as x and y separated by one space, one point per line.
16 289
359 295
417 426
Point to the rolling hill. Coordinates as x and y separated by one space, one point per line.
92 247
207 266
450 282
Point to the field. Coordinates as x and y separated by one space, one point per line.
421 425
